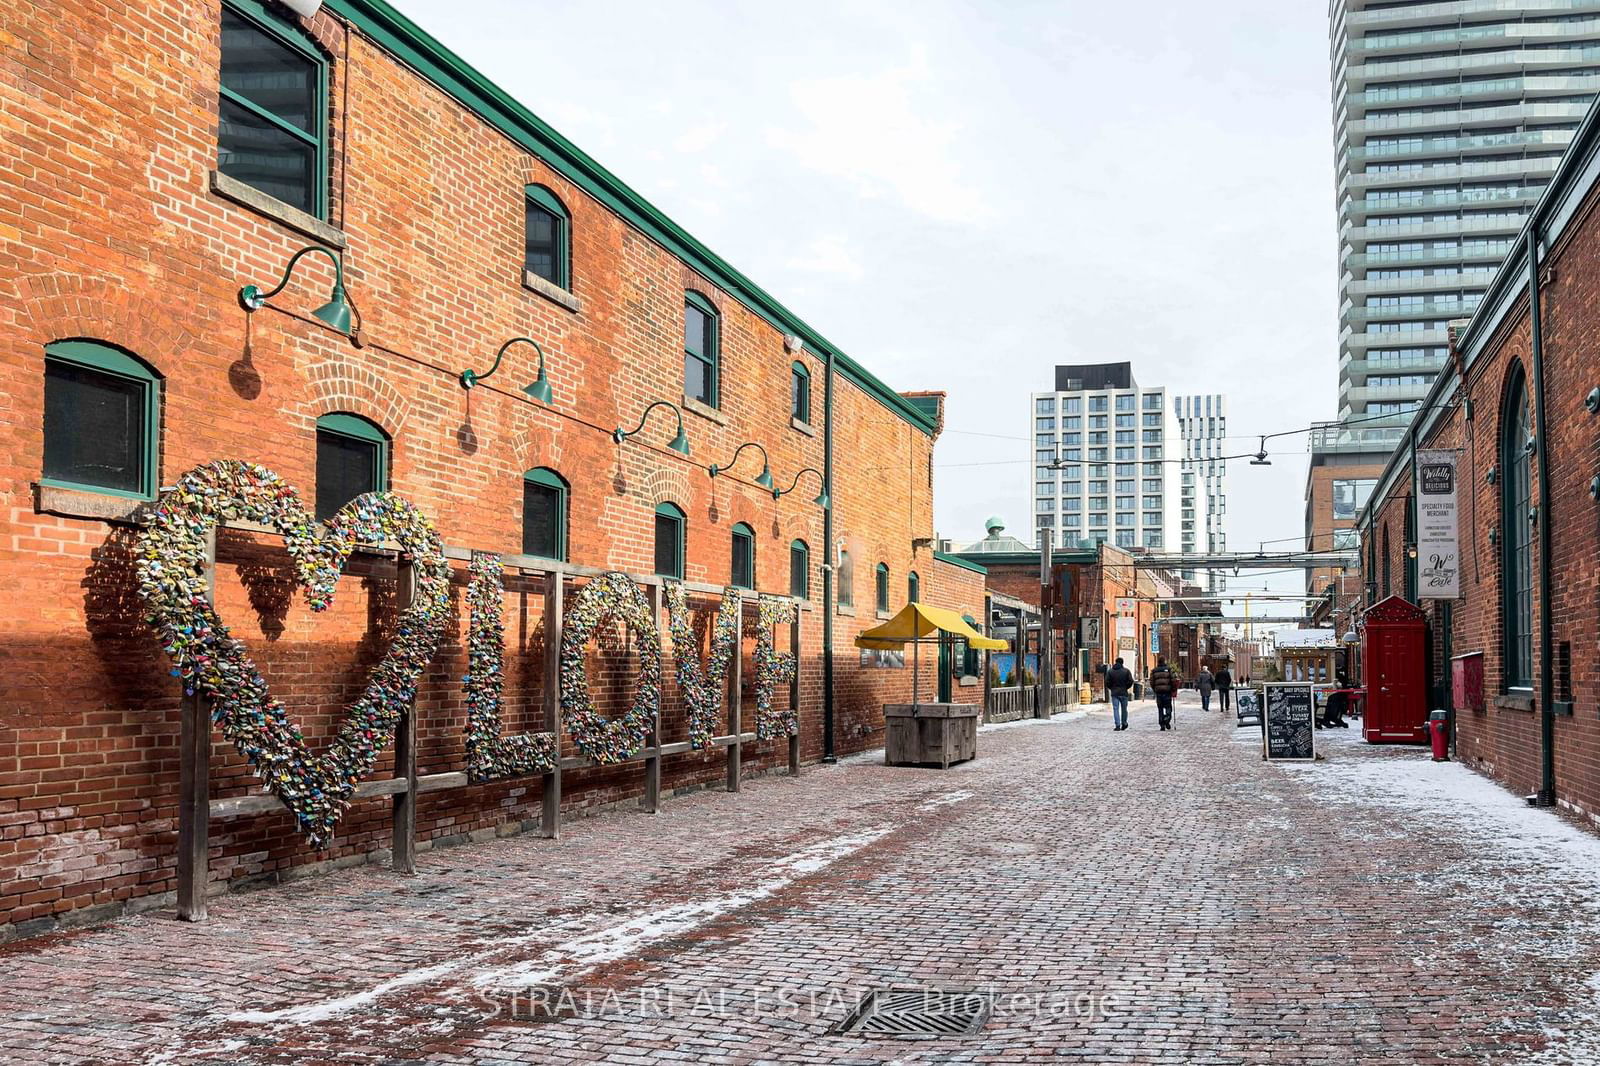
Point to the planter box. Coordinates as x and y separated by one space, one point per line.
930 734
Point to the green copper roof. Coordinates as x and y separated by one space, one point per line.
956 560
407 41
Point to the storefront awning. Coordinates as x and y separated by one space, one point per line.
919 622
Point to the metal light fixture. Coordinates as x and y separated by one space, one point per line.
539 390
336 312
679 444
1261 456
822 499
764 479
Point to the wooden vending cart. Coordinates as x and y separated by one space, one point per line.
927 734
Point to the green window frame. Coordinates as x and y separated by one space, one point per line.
241 118
1516 519
800 392
544 514
702 346
913 587
846 592
742 567
541 205
671 528
65 463
348 438
883 586
800 570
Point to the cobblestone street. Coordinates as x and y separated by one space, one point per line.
1126 897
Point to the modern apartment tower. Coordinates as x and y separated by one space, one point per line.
1202 501
1100 459
1448 120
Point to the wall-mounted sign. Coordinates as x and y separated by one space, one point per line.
1090 632
1438 542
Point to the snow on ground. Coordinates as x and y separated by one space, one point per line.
1510 861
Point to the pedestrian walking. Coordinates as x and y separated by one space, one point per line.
1119 679
1224 683
1205 683
1164 683
1338 703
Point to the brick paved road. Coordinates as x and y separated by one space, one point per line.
1130 897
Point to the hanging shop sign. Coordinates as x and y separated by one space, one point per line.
1127 617
1438 537
1090 632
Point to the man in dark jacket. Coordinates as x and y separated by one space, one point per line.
1164 683
1119 679
1224 681
1205 683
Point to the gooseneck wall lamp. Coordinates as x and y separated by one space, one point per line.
539 390
679 444
822 497
336 312
764 479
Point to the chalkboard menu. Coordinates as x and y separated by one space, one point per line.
1289 727
1248 704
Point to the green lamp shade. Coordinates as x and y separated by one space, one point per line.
822 499
680 443
335 312
539 390
765 478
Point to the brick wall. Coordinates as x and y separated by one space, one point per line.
109 230
1503 739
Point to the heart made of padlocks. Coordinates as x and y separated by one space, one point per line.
173 581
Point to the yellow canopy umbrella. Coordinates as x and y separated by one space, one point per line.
919 624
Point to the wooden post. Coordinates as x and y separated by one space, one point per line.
554 627
735 702
403 838
194 783
651 800
794 690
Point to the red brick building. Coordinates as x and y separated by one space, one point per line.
1517 407
164 155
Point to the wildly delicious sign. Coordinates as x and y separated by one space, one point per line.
1438 541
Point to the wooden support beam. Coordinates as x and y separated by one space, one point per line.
736 704
194 783
794 693
651 800
404 830
554 627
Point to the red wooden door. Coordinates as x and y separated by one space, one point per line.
1397 687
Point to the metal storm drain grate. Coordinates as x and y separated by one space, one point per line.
915 1013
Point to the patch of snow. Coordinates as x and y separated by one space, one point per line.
945 800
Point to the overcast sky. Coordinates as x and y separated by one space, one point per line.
963 195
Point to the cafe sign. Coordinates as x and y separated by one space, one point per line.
1438 527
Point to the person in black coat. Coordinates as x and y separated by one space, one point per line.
1164 683
1119 680
1224 681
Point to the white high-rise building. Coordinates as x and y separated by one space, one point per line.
1101 469
1202 500
1448 120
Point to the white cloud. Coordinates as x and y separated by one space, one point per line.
831 255
888 135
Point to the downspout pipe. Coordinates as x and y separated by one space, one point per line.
1546 796
1411 520
831 555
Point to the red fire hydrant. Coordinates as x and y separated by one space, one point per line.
1439 732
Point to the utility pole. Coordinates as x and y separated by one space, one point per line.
1042 706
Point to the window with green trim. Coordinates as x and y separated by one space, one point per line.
547 247
272 107
883 586
352 458
847 574
544 514
742 573
800 392
669 540
800 570
101 419
1516 559
701 342
913 587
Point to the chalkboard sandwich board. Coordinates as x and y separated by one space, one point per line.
1248 704
1290 729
